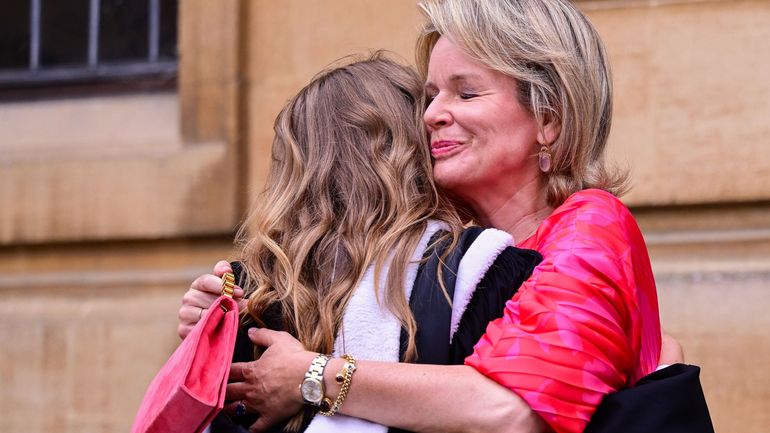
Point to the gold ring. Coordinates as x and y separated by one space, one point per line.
200 313
228 284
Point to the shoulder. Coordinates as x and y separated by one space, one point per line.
586 209
591 201
588 222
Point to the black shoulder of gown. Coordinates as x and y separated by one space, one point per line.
669 400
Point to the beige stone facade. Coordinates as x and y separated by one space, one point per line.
110 206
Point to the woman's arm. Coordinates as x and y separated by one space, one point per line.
435 398
586 322
422 398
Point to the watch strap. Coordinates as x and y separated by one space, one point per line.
316 369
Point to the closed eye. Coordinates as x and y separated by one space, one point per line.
466 96
428 100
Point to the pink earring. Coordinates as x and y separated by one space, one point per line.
544 159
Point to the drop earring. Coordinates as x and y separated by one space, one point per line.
544 159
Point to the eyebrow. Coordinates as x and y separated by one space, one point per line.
455 78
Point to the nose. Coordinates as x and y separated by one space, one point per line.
437 114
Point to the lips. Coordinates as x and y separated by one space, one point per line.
442 148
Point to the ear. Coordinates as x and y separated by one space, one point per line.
550 131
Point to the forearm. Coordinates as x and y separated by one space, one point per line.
432 398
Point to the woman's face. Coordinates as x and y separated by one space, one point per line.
482 139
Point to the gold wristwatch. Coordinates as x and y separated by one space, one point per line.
312 387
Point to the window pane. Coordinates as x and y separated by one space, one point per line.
168 13
63 32
123 30
14 34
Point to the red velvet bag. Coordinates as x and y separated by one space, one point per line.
189 391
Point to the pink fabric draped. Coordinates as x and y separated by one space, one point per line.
586 322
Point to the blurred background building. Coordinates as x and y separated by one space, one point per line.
133 132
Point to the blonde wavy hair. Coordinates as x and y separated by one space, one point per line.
350 185
559 61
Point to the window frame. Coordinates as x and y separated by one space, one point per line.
94 69
186 186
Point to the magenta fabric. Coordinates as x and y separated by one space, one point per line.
585 323
189 390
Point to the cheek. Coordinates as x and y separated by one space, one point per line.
517 137
507 152
490 124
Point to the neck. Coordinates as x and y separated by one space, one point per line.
518 213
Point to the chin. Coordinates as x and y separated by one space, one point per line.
443 178
452 189
452 183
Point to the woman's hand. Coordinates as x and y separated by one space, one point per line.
202 293
269 386
670 351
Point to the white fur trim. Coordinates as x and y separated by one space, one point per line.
371 332
473 265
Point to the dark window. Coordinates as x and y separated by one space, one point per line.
83 42
125 28
14 28
63 33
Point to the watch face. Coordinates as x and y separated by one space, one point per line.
312 390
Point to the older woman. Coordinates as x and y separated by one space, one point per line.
518 114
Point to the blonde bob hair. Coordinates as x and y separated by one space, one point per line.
554 53
350 185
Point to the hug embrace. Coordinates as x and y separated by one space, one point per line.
443 249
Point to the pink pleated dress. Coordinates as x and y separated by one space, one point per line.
585 323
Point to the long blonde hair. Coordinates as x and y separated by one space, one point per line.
561 66
350 185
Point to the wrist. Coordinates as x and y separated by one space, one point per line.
301 361
334 365
344 379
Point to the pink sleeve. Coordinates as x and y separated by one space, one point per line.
585 323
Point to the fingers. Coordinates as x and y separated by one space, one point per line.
262 424
239 408
671 351
194 306
191 314
183 330
198 299
265 337
188 316
212 284
202 293
237 391
221 267
237 372
208 283
243 303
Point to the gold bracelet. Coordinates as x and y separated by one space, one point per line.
344 378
